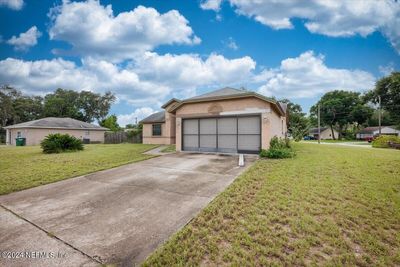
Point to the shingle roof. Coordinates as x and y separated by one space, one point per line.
315 130
372 129
227 91
58 123
155 117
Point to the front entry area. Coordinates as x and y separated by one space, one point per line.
240 134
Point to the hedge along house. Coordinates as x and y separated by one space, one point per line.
35 131
226 120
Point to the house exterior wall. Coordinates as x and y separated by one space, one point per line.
272 123
34 136
384 130
327 134
167 130
164 139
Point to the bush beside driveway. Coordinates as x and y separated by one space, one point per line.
26 167
331 205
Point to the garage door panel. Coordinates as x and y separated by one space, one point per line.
227 126
227 143
191 126
208 141
226 134
190 142
249 142
249 125
208 126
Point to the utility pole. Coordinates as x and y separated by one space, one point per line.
135 121
380 114
319 124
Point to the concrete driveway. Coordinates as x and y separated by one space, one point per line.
117 216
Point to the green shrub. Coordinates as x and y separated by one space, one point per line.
57 143
279 148
280 153
383 141
279 142
263 153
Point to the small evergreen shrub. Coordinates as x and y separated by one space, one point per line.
263 153
279 148
58 143
383 141
280 153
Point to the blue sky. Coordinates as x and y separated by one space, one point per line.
149 51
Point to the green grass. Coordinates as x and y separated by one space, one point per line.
336 141
169 149
26 167
329 206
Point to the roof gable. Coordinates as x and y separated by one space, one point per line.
227 93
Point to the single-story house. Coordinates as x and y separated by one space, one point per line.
35 131
370 132
326 133
226 120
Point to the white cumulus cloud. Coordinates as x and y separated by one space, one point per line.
26 39
149 80
93 30
336 18
138 114
307 76
12 4
211 5
191 71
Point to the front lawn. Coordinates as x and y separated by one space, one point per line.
331 205
169 149
25 167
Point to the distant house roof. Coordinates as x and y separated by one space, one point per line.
370 130
57 123
315 130
155 117
225 93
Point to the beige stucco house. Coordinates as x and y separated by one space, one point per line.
35 131
326 133
370 132
226 120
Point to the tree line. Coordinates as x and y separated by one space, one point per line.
348 111
16 107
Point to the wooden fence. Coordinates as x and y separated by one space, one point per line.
122 137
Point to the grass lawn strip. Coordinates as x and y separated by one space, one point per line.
26 167
169 149
328 206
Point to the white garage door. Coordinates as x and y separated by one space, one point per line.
224 134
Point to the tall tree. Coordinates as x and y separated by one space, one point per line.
86 106
28 108
8 95
62 103
298 123
95 106
340 108
388 89
111 123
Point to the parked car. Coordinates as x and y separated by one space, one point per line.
309 138
371 138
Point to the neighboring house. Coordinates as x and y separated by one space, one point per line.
226 120
35 131
370 132
326 133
